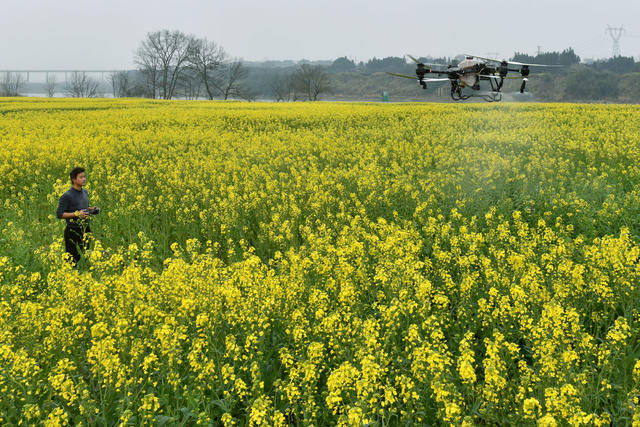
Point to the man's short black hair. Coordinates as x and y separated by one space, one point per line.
74 172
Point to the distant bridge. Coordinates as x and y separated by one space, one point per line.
65 72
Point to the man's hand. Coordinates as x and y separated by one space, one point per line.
72 215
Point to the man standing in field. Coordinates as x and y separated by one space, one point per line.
74 208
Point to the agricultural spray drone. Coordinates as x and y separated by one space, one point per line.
469 73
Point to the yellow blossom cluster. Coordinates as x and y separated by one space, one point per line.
322 264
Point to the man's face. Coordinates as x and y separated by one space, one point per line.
81 179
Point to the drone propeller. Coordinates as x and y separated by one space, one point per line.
415 78
402 75
414 59
521 64
493 76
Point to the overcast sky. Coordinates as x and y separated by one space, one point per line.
91 34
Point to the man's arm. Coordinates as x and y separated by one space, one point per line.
63 204
81 214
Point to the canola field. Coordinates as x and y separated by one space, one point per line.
322 264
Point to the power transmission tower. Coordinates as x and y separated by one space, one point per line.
615 33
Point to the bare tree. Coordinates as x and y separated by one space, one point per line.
50 84
120 84
206 57
229 81
149 67
79 85
312 81
190 85
281 87
11 83
163 56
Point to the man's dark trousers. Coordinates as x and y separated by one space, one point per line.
73 241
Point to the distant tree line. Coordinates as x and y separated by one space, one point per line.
77 85
172 64
615 79
565 58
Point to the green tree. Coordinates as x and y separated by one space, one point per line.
587 85
629 87
390 63
617 64
341 65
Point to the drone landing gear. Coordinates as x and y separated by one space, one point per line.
495 94
457 95
489 97
496 85
492 97
456 92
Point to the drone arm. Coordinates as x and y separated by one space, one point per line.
438 72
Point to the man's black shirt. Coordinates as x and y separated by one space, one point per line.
73 200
